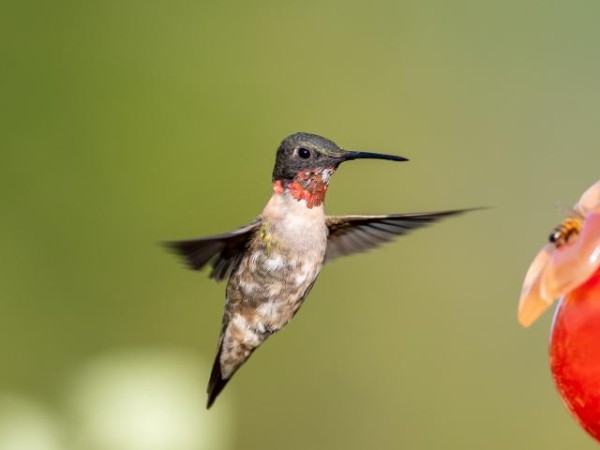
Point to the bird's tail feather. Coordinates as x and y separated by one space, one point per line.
216 382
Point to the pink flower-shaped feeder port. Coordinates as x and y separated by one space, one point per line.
561 266
568 269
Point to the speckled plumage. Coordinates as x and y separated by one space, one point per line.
272 264
282 261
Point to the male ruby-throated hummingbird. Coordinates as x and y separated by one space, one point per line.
272 264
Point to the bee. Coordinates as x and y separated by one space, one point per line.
568 229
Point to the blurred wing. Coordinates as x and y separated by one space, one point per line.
223 251
354 234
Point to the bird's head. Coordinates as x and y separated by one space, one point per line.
305 162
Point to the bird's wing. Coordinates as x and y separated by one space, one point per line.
354 234
223 251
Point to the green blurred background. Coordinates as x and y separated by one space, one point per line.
125 123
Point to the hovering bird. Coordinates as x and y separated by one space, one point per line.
272 263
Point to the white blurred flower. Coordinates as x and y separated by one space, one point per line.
145 399
26 425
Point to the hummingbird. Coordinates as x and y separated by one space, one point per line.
272 263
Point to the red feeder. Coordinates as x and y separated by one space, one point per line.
569 269
575 353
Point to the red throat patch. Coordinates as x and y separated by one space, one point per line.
278 187
309 185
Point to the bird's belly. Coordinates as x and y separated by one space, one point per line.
272 287
270 283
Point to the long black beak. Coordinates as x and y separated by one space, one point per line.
367 155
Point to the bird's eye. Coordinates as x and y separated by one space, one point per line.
304 153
